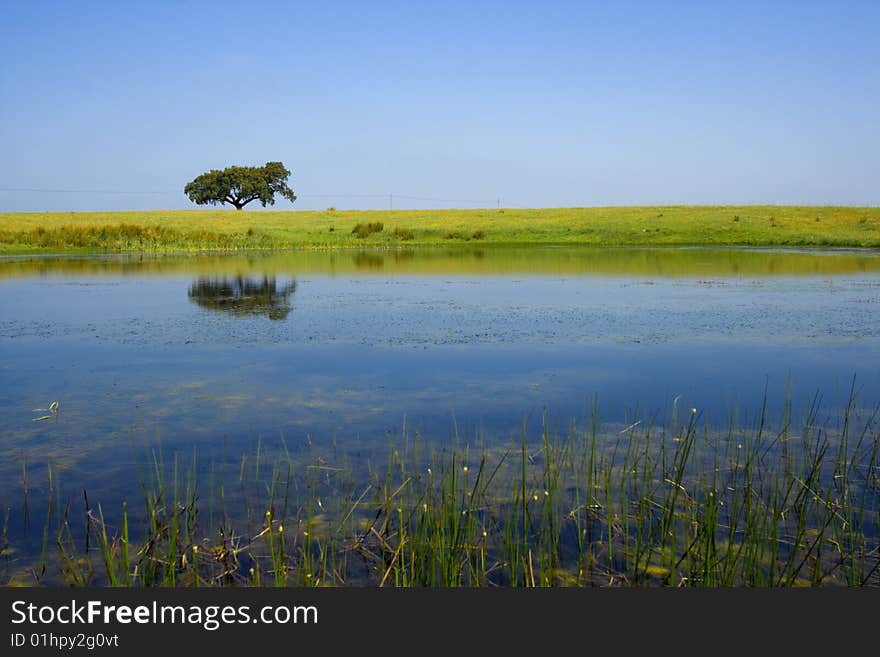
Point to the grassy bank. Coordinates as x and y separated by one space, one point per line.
195 230
678 505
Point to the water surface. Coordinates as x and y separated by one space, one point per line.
349 347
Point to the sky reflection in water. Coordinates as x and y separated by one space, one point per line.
349 346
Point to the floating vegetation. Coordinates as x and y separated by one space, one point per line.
52 409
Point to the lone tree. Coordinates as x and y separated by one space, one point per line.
239 186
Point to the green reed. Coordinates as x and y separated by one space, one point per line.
654 504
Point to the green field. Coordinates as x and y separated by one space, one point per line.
223 229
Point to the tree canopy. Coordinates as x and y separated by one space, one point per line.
239 186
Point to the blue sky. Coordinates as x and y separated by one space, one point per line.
534 103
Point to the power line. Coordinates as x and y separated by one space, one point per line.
446 200
389 196
80 191
341 195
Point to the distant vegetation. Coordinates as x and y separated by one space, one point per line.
365 230
404 234
239 186
129 237
195 230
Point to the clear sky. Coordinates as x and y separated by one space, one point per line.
533 103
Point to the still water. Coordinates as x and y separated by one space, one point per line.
349 347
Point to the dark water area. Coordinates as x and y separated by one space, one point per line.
222 352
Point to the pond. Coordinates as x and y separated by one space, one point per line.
349 348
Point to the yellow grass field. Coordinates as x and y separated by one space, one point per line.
226 229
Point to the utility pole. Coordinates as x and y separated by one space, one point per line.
391 201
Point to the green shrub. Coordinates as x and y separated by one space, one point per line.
133 237
365 230
458 235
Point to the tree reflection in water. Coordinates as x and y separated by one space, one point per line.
243 296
